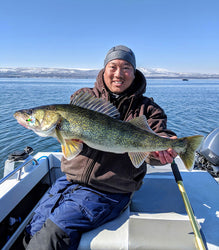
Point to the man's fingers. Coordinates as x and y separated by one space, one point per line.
172 152
165 157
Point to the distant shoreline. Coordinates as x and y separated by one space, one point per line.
71 73
84 77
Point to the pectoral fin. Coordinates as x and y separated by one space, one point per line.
137 159
71 148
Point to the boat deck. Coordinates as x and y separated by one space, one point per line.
156 217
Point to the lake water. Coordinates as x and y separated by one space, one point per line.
192 107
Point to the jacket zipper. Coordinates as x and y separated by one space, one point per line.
90 169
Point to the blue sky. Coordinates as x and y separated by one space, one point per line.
177 35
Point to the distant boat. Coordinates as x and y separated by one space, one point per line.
185 79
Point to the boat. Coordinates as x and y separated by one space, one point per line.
155 219
185 79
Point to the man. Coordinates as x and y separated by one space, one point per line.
97 185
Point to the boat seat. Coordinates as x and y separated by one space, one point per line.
167 227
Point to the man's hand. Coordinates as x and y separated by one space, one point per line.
165 156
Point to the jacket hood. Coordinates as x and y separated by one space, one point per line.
138 87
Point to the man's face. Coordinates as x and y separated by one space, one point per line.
118 75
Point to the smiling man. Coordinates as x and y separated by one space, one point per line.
120 72
118 76
97 185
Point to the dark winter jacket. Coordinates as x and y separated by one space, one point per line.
109 172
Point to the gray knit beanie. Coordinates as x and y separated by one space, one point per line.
120 52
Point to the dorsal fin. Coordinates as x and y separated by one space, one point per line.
86 100
141 122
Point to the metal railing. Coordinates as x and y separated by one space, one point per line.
19 169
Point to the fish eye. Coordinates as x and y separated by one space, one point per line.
29 112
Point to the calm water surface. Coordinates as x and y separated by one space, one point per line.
192 107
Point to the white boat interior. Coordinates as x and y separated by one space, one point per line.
155 219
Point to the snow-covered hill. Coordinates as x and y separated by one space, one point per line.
91 73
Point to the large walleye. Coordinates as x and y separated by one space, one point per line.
94 121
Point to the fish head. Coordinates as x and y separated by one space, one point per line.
41 120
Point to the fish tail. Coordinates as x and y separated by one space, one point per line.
188 153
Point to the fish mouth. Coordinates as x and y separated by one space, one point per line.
21 119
